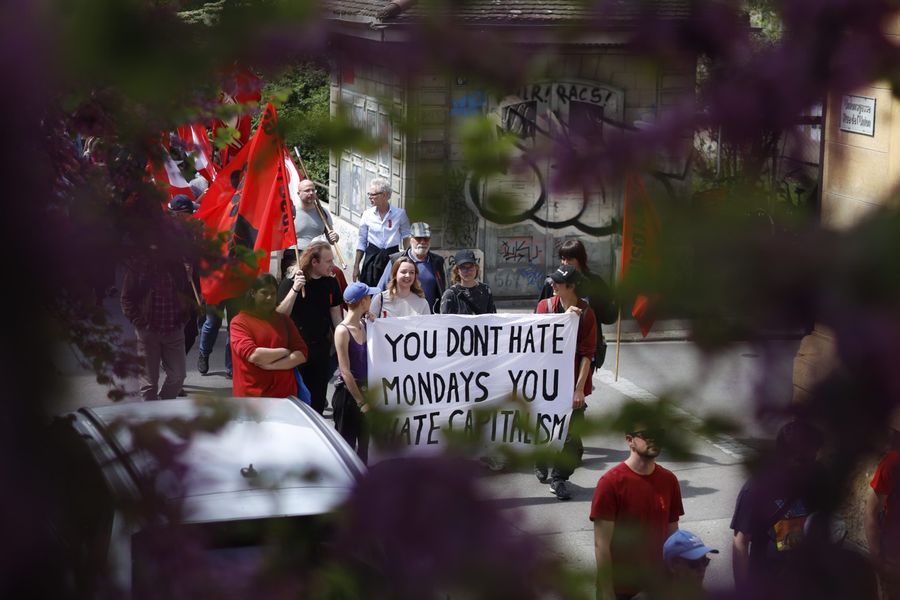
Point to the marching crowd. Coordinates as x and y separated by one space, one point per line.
291 333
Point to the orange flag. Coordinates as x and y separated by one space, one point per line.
249 200
640 248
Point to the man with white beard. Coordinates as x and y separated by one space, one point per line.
432 275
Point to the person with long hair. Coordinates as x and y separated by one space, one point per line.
591 286
467 296
265 346
348 401
315 314
404 296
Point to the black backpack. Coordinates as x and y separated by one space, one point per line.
600 351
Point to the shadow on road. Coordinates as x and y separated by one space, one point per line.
688 491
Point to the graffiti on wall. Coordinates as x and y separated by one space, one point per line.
568 113
533 274
468 106
520 249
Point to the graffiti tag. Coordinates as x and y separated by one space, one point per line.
533 274
519 250
469 105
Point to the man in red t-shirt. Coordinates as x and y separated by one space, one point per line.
882 518
565 299
636 508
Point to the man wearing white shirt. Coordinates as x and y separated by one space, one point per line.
382 230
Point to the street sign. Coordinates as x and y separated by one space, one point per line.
858 114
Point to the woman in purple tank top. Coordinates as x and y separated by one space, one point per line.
348 401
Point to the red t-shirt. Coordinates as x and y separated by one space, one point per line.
587 334
249 332
642 506
885 482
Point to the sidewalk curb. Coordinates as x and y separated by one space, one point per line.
725 443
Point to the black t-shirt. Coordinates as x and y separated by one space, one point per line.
594 290
480 296
312 314
772 510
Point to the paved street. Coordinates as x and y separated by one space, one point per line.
710 481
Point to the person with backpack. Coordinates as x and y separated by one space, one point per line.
565 299
467 296
772 508
591 288
882 518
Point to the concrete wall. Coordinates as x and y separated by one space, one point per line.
567 91
860 172
373 93
520 248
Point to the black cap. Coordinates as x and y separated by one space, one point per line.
463 257
181 203
566 274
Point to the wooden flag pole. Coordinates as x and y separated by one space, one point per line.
328 228
297 253
618 342
196 295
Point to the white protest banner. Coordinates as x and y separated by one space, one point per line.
444 375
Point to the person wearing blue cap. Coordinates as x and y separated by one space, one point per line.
348 401
686 560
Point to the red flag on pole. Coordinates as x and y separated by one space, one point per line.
640 248
168 177
197 142
241 87
249 201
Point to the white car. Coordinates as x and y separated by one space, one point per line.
274 463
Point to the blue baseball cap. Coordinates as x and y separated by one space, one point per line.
686 545
357 291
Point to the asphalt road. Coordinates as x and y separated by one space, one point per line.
739 383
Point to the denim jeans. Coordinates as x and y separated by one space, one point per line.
210 333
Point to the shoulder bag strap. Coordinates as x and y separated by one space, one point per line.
461 297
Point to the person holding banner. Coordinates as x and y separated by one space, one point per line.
404 296
467 296
565 299
348 401
265 346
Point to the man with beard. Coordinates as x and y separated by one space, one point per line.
635 510
432 276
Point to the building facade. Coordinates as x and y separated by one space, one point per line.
588 87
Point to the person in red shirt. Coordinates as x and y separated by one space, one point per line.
565 299
635 510
265 346
882 518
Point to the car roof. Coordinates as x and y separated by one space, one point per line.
301 465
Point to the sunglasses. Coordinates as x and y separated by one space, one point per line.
656 435
466 267
697 564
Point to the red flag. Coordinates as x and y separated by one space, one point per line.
196 141
241 87
168 177
640 247
249 200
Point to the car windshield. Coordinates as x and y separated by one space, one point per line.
233 558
